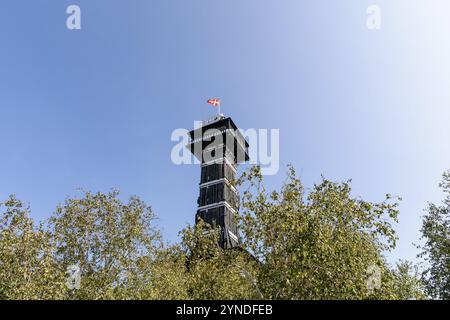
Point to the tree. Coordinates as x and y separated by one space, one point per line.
214 273
113 244
28 269
406 282
320 245
169 277
436 249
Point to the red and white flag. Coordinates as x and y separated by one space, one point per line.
214 102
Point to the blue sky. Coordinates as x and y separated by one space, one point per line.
95 108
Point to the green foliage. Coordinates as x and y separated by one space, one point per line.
406 282
214 273
168 277
436 249
28 268
321 244
316 246
113 243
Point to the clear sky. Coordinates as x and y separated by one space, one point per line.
95 108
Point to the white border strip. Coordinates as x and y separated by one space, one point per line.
215 205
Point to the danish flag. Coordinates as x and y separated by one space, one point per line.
214 102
